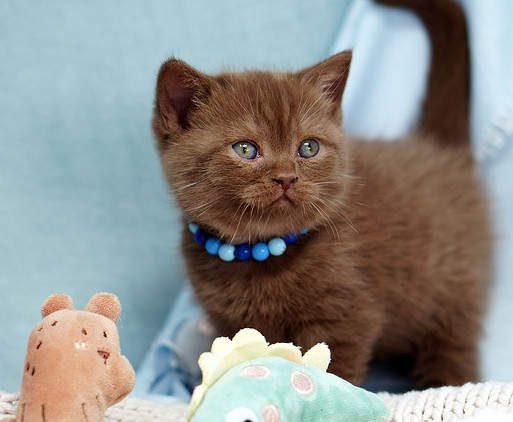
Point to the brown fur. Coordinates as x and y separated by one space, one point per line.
397 259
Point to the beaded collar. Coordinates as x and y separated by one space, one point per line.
244 252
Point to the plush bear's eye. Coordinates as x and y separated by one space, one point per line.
241 414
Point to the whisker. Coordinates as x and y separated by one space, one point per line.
199 207
327 220
246 206
339 206
181 188
240 220
250 222
268 218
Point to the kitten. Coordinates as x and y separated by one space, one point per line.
396 260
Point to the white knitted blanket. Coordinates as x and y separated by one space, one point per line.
485 402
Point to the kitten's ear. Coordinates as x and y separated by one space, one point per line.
330 76
179 89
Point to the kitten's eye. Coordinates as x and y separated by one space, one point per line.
246 149
308 148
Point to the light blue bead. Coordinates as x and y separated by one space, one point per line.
260 252
193 227
212 245
304 231
226 252
277 246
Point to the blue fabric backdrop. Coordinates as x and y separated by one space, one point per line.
83 206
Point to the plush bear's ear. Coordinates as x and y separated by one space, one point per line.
105 304
56 303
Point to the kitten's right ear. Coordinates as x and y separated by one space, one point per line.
179 89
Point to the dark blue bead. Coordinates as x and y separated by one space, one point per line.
200 237
243 252
290 239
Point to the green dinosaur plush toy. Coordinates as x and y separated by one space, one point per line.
247 380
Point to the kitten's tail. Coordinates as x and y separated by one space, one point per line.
446 106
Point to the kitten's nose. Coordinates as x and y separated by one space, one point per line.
285 180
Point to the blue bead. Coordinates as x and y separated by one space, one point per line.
304 231
243 252
200 237
260 252
227 252
212 245
193 227
290 239
276 246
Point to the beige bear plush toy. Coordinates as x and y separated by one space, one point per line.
74 369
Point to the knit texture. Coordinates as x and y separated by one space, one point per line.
446 404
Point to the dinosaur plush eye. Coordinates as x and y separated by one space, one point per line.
308 148
241 414
246 149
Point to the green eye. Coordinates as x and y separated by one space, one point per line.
308 148
246 149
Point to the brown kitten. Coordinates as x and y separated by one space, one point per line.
397 257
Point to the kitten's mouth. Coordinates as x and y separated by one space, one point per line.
283 199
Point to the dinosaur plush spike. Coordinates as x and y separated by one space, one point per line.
285 350
222 346
318 356
277 385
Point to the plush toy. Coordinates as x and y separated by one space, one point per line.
74 369
247 380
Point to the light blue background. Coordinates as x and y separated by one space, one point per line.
83 205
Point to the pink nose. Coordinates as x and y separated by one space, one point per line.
285 180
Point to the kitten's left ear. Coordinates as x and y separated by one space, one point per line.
329 76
